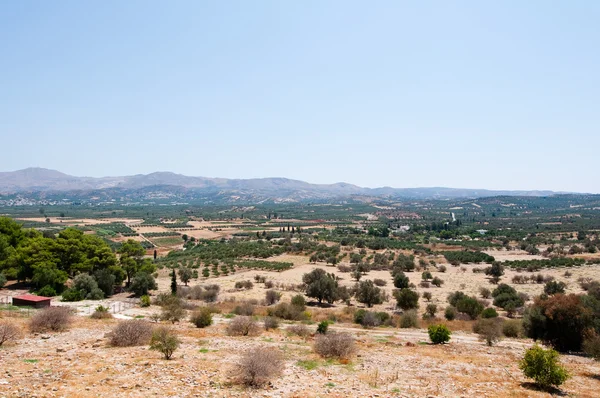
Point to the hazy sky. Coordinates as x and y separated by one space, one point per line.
477 94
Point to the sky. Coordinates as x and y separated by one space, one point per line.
465 94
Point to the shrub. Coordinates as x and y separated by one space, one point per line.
202 317
246 308
299 301
379 282
243 326
409 320
244 285
485 293
335 345
164 341
55 319
559 320
406 299
300 330
370 319
401 281
543 367
425 284
426 275
470 306
506 297
271 322
47 291
591 346
131 333
554 287
88 287
439 334
369 294
430 310
512 328
272 297
258 366
450 313
489 313
2 280
145 301
9 332
427 296
72 295
322 327
442 268
269 284
141 283
437 282
101 312
489 330
287 311
173 312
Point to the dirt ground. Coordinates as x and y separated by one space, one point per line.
388 363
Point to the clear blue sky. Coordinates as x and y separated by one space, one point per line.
477 94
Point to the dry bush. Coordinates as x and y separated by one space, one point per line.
9 332
131 333
512 328
489 330
258 366
409 319
335 345
300 330
269 284
271 322
272 297
344 268
380 282
244 285
246 309
243 326
55 319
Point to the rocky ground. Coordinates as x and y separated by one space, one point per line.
389 362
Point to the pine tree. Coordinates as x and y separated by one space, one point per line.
173 283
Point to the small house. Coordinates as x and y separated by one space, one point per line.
30 300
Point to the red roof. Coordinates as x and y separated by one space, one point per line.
31 297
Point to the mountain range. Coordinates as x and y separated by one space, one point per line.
37 179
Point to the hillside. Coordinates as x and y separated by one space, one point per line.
45 180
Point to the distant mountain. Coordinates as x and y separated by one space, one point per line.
45 180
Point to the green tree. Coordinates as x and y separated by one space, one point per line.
406 299
173 283
320 285
141 283
369 294
185 274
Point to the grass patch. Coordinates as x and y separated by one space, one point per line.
229 316
330 385
308 364
204 350
139 317
31 360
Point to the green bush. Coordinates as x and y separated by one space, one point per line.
450 313
2 280
543 367
72 295
145 301
47 291
489 313
322 327
141 283
299 301
164 341
439 334
406 299
202 318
